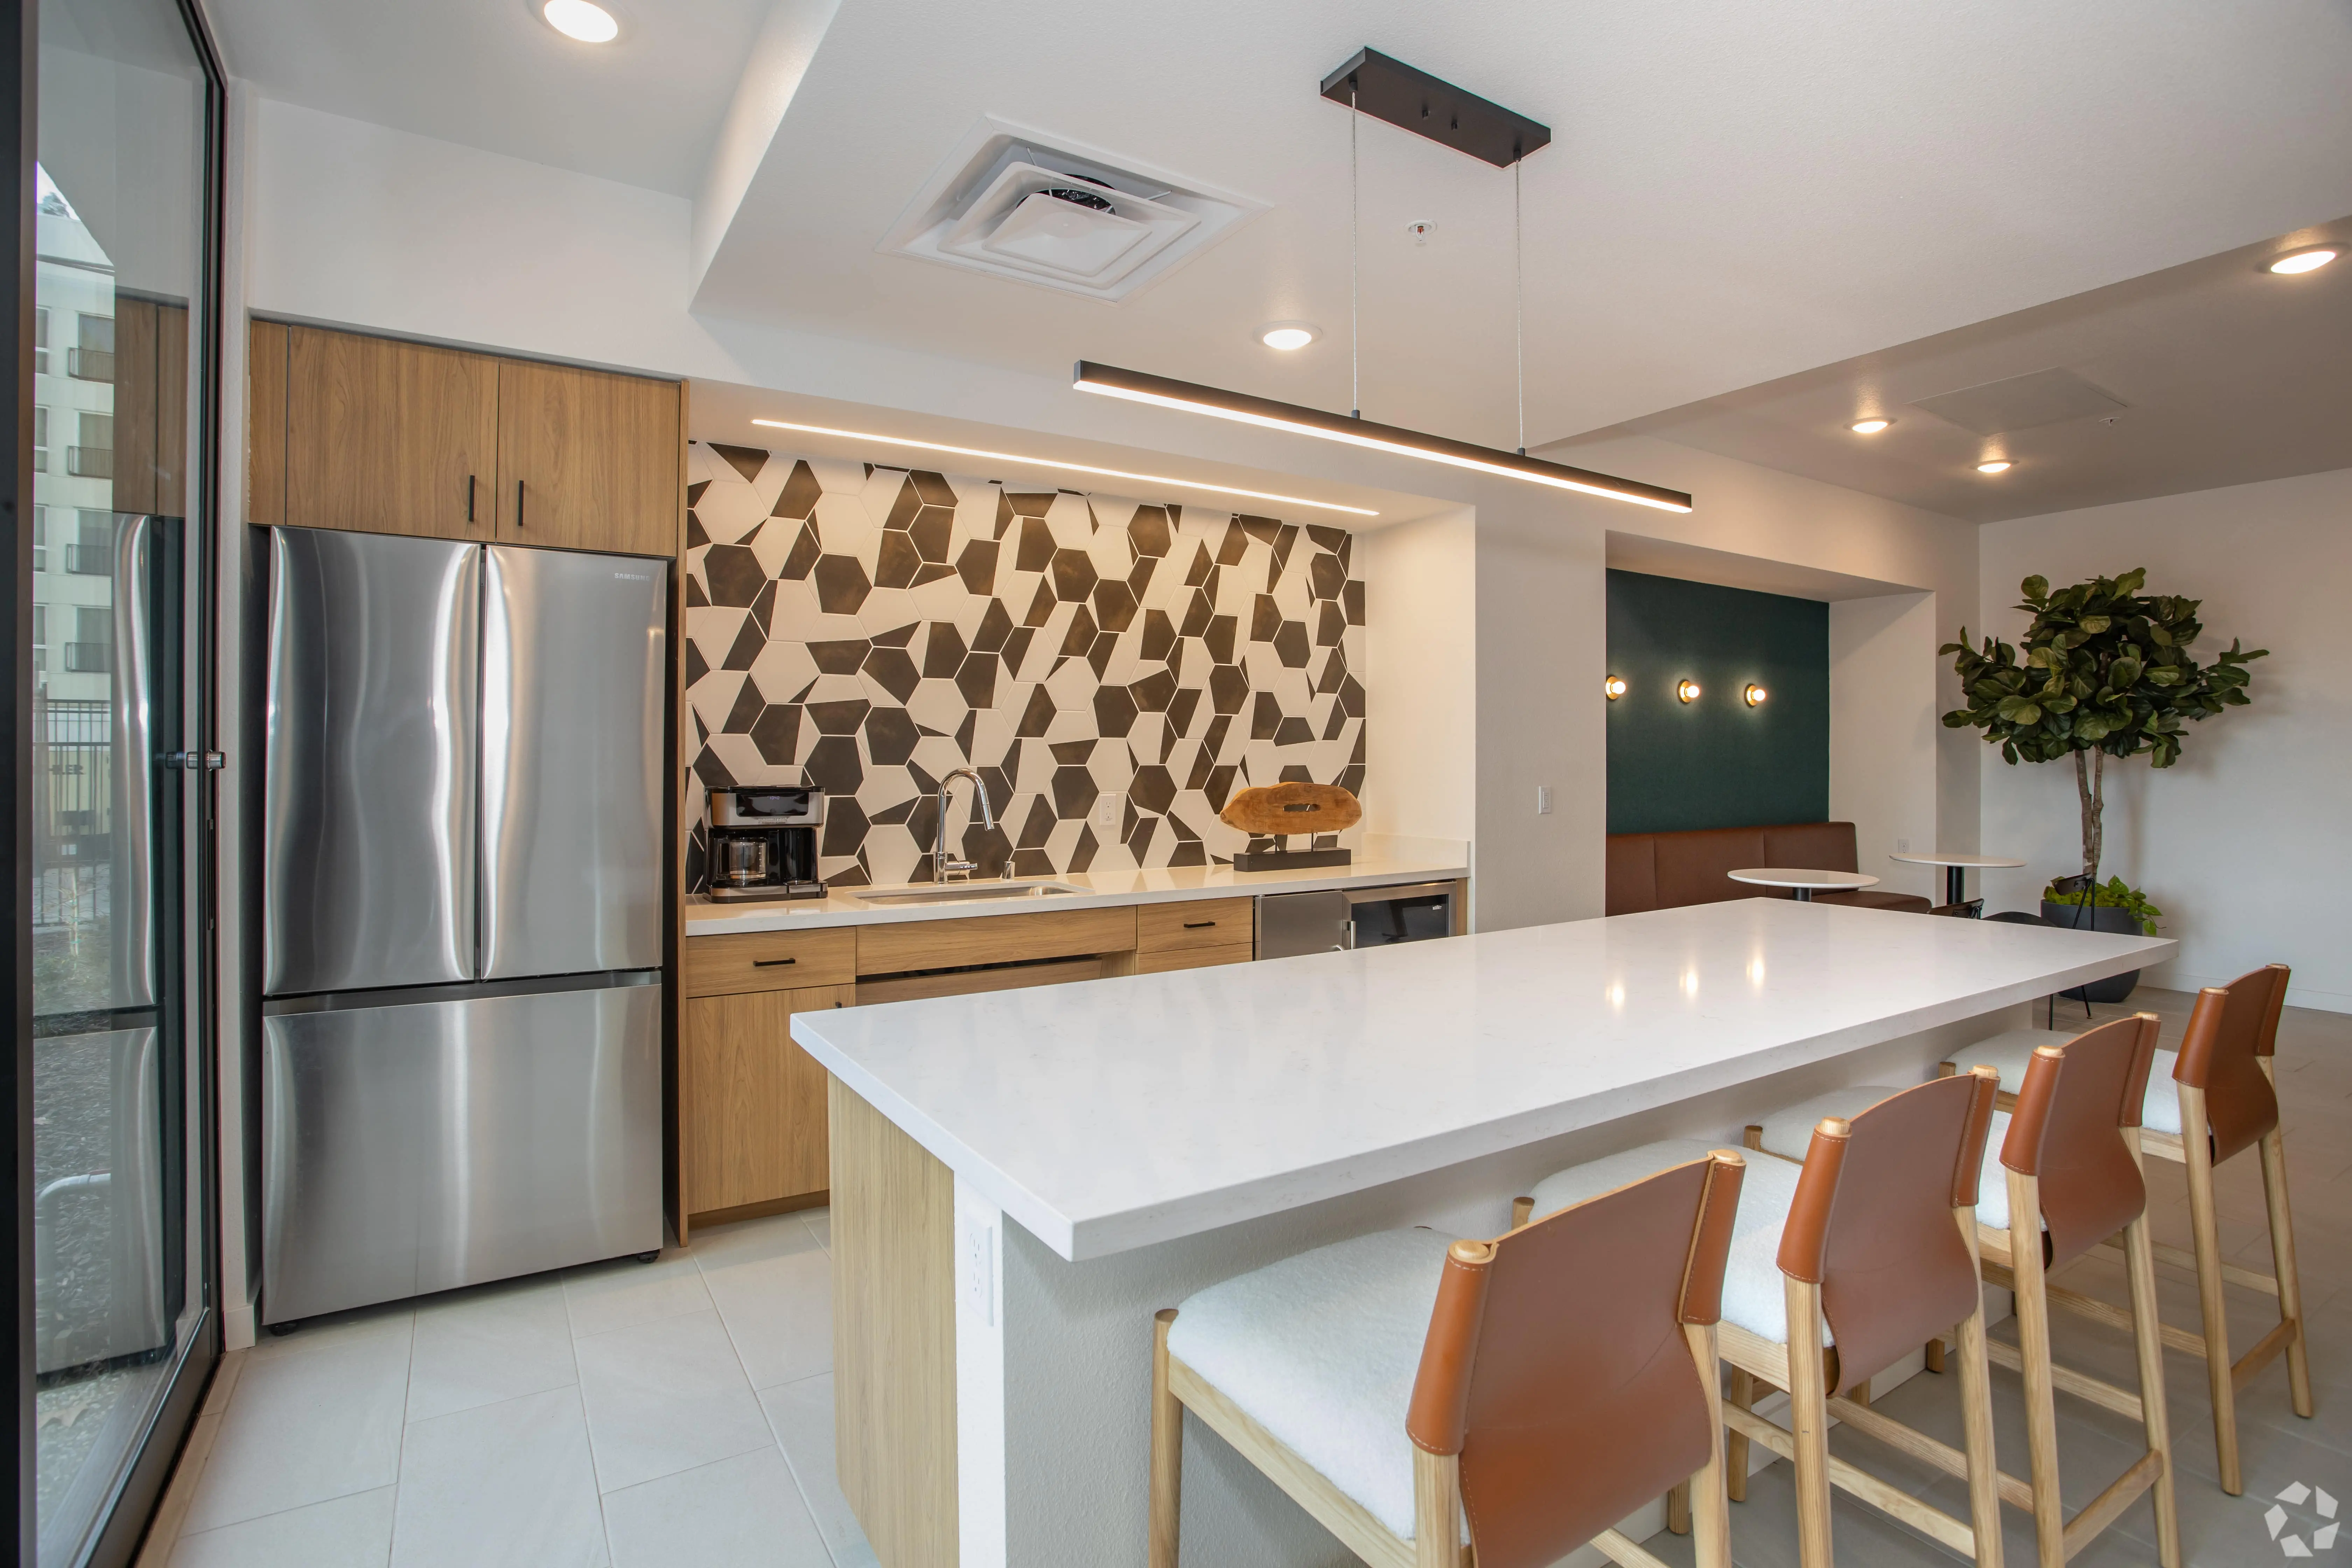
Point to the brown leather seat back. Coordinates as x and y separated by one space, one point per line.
1632 873
1557 1368
2072 1112
1691 866
1871 1221
2231 1026
1813 846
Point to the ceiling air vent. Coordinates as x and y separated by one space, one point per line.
1014 202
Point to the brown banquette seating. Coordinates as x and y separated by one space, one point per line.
1665 870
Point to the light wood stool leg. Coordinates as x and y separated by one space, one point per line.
1166 1448
2148 1343
1976 1413
1678 1509
2205 1234
1709 1503
1809 1422
2290 1283
2033 1346
1436 1509
1734 1450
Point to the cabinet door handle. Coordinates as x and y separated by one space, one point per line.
1198 925
518 503
772 962
469 498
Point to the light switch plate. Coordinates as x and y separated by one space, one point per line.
1903 847
1543 800
1107 809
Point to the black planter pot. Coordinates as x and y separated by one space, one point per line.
2116 987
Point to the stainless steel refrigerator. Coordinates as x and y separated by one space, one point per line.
462 911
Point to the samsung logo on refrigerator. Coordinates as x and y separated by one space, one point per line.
632 578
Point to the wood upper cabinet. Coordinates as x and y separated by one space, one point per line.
754 1111
389 436
587 460
151 406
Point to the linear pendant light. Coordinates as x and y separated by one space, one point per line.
1138 388
1372 83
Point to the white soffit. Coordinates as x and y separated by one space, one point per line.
1697 563
1000 203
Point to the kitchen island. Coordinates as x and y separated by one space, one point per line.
1020 1179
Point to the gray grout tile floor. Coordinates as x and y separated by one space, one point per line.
681 1412
608 1417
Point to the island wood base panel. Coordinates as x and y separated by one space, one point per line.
1017 1433
894 1335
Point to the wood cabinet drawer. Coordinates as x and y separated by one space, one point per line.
1174 958
992 939
1197 922
769 961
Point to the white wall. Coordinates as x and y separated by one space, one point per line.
2245 842
1420 678
1543 648
1883 732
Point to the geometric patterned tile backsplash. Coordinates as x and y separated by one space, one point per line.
864 629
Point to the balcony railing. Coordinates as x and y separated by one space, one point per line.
89 657
90 364
90 462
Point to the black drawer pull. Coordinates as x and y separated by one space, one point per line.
771 963
1198 925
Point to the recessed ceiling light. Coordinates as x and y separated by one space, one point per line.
1994 466
582 19
1286 335
2307 261
1073 468
1869 426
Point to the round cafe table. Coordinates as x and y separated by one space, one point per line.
1955 870
1805 883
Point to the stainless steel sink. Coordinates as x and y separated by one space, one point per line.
964 892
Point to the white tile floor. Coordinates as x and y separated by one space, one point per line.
619 1414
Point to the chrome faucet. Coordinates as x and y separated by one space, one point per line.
943 868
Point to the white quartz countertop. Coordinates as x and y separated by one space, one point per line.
1112 1114
1382 860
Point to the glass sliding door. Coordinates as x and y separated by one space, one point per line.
121 1326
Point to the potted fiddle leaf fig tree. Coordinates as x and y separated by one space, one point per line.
2103 671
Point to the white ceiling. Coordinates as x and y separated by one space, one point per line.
1735 193
490 74
2228 374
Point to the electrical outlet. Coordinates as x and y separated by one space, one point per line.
1106 810
1543 800
976 1267
1903 847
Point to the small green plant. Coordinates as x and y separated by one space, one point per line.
2112 894
2103 671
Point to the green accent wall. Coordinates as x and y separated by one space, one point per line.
1715 762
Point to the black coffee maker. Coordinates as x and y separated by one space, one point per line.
764 842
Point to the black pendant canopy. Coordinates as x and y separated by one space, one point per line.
1430 106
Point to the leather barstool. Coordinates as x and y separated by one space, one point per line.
2222 1102
2069 1175
1837 1268
1421 1400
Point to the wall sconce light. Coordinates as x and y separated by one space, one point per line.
1687 690
1614 686
1755 695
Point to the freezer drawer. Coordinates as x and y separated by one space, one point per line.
368 861
573 694
415 1148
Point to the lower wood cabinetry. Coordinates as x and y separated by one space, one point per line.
754 1111
1190 958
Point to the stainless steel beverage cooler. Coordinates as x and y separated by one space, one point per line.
462 915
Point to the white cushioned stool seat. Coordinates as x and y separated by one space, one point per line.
1752 1292
2158 1112
1321 1350
1789 1133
